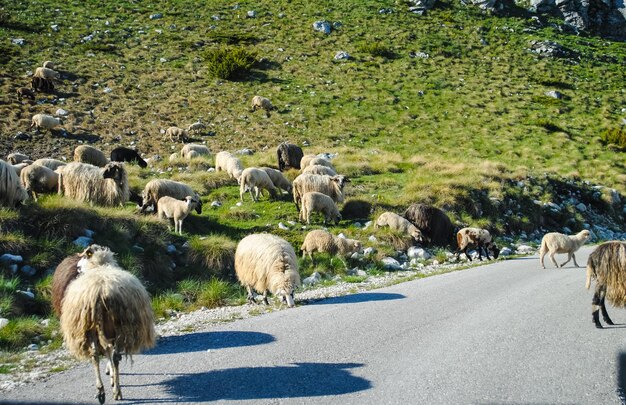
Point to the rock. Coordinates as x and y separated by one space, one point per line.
524 250
27 293
367 224
368 252
385 11
162 60
83 241
356 256
61 112
156 16
55 27
18 41
322 26
358 225
342 55
341 235
89 233
484 4
390 263
312 279
210 169
171 249
88 38
28 270
283 226
245 151
107 90
292 223
216 204
21 136
421 6
33 347
251 14
3 322
421 55
417 253
550 49
372 239
615 197
238 203
137 249
13 268
360 273
9 258
554 94
581 207
506 251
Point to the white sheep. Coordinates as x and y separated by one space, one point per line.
265 262
555 242
169 207
318 161
256 179
19 167
314 201
262 103
157 188
196 126
320 170
399 224
16 157
91 155
225 161
45 121
331 186
46 73
176 134
279 180
39 179
324 242
476 238
11 190
174 156
106 185
192 150
49 163
306 159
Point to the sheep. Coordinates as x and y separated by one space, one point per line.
106 186
19 167
607 265
278 179
323 242
555 242
318 161
320 170
41 84
169 207
262 103
196 126
289 155
177 134
25 92
399 224
46 73
122 154
45 121
64 274
434 224
306 159
11 191
174 156
16 157
230 164
476 238
39 179
91 155
314 201
157 188
265 262
48 64
256 179
49 163
106 311
332 186
187 152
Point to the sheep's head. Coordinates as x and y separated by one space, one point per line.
115 171
491 247
417 235
584 235
95 256
198 203
340 180
355 245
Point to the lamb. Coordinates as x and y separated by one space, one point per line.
332 186
262 103
289 155
187 152
230 164
91 155
278 179
555 242
196 126
157 188
25 92
106 186
11 191
45 121
399 224
256 179
320 170
49 163
16 157
323 242
46 73
122 154
265 262
607 265
177 134
39 179
169 207
106 312
314 201
434 224
476 238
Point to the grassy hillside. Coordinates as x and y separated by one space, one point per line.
448 109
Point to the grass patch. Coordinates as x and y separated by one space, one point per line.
614 138
216 253
229 62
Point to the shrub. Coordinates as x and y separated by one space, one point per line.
215 252
376 49
615 137
214 293
229 62
164 304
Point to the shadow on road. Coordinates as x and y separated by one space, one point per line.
294 381
621 377
357 298
203 341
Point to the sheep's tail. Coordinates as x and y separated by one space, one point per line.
543 247
590 273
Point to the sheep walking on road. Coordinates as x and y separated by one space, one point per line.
555 242
607 265
476 238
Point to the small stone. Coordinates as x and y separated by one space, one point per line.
251 14
554 94
417 253
367 224
358 225
28 270
9 258
312 279
372 238
13 268
524 250
89 233
292 223
88 38
61 112
245 151
322 26
45 323
137 249
18 41
506 251
171 249
341 235
156 16
3 322
239 204
83 241
107 90
581 207
54 27
21 136
163 60
390 263
369 251
283 226
33 347
27 293
342 55
216 204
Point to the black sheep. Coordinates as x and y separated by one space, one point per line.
289 155
434 224
122 154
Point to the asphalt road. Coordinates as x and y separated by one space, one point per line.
504 333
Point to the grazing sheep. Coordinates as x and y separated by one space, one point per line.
45 121
169 207
106 312
49 163
64 274
262 103
399 224
177 134
122 154
46 73
319 170
91 155
607 265
278 179
196 126
323 242
11 191
306 159
555 242
106 186
225 161
174 156
314 201
318 161
265 262
187 152
19 167
16 157
157 188
332 186
256 179
39 179
48 64
476 238
41 84
433 223
25 92
289 155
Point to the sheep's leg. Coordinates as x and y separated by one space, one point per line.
100 396
541 256
574 257
597 303
486 253
467 254
251 299
265 300
553 259
117 390
569 257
